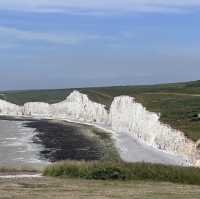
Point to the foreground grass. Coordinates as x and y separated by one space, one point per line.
63 188
124 171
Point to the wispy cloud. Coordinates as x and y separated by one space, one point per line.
100 7
12 35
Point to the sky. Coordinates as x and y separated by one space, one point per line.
79 43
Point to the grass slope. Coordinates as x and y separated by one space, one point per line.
178 103
124 171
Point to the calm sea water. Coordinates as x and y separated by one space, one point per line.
17 147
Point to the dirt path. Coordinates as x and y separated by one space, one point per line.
178 94
22 175
101 94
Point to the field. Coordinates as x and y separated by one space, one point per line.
179 103
60 188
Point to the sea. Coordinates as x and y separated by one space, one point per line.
17 148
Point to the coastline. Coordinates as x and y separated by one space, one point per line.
126 120
63 140
68 141
128 148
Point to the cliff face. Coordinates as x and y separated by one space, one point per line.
128 116
125 115
39 109
7 108
78 106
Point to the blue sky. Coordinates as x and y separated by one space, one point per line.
64 43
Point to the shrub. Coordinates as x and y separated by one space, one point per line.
124 171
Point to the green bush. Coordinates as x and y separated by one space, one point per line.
124 171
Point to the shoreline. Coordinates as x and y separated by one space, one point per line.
68 141
124 143
63 140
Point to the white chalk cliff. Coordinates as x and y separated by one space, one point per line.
125 115
7 108
78 106
39 109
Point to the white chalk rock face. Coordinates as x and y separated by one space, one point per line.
78 106
128 116
38 109
7 108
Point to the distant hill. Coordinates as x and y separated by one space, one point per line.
99 94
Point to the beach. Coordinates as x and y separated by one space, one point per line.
37 143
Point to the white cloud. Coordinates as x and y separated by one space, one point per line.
100 6
12 35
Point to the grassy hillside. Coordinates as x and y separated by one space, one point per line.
178 103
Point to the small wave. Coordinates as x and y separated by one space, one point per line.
11 138
21 158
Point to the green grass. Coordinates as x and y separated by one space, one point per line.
178 103
124 171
